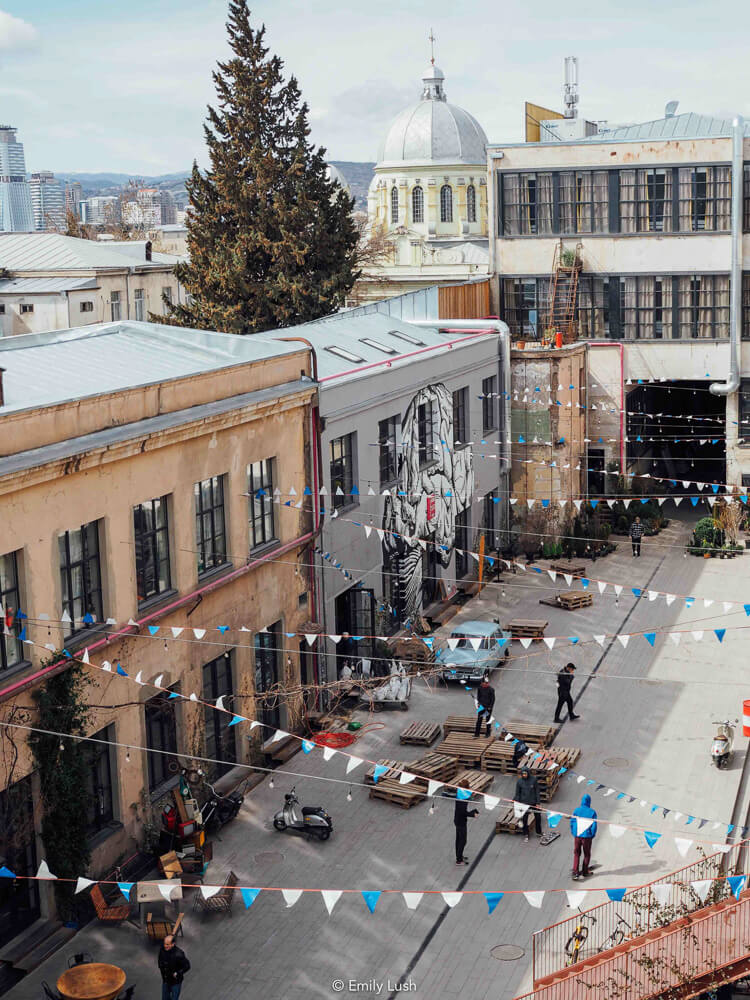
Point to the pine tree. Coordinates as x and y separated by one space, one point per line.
271 239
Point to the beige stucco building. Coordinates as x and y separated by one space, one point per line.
128 453
56 282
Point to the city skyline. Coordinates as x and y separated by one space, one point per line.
145 112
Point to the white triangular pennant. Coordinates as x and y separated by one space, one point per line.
683 845
697 635
534 899
490 801
552 574
453 642
582 825
352 763
600 639
663 892
602 585
549 640
167 888
207 891
617 589
310 638
568 578
412 899
278 735
624 639
199 633
432 787
291 896
520 809
330 898
575 898
702 887
157 682
405 777
44 872
669 598
616 830
84 883
336 639
452 898
475 643
675 637
177 631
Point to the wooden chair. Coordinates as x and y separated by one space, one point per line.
188 869
221 902
160 928
108 914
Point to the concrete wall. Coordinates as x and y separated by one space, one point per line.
61 496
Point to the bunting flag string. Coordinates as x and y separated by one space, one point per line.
661 891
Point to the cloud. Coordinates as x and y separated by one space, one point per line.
16 34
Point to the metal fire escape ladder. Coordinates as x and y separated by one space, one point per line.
561 314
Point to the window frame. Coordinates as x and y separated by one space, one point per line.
394 205
462 545
208 517
446 203
490 405
139 302
14 592
388 434
262 527
115 305
25 308
461 424
471 203
342 453
86 306
269 641
151 538
417 204
90 555
100 755
426 434
217 680
160 709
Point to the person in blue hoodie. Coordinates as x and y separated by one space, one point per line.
582 842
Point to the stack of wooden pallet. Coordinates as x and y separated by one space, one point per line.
465 747
499 757
573 599
459 724
420 733
394 770
539 767
506 821
435 767
391 790
569 568
475 781
531 732
527 628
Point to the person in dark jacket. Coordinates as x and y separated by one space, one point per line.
460 815
564 683
486 699
583 836
636 534
173 965
527 793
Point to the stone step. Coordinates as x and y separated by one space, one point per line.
46 948
28 939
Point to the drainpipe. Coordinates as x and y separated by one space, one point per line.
735 280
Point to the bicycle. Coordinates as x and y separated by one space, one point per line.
578 938
622 930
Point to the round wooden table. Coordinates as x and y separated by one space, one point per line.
91 981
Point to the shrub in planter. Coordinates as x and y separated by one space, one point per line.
705 530
622 525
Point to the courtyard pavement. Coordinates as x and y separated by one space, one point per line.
645 727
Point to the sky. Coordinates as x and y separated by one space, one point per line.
123 87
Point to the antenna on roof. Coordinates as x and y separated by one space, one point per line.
431 38
670 109
571 87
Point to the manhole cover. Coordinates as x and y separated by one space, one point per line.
269 857
616 762
507 952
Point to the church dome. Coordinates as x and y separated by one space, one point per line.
433 131
334 174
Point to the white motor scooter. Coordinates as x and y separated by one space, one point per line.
722 746
313 821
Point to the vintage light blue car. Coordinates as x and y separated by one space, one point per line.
466 663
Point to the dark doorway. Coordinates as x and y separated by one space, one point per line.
19 898
429 576
596 472
161 735
308 666
220 739
355 614
268 652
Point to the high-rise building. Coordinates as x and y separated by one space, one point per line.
168 209
16 215
100 211
143 210
73 197
47 202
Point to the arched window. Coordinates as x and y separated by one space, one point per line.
446 203
394 204
417 204
471 204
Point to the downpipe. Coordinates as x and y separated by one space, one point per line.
735 281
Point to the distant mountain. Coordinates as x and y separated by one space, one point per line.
358 177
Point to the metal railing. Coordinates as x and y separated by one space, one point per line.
611 923
688 953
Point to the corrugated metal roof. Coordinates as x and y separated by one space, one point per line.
46 368
349 332
30 285
686 126
55 252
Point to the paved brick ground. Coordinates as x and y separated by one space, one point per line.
652 707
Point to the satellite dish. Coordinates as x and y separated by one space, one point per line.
670 109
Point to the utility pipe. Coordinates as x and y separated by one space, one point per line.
735 279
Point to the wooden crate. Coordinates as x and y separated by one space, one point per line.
465 747
459 724
576 570
435 766
531 732
573 599
506 821
475 781
420 733
394 769
405 796
527 628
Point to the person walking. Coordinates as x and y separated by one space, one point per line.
173 965
564 684
527 793
485 702
583 837
636 533
460 815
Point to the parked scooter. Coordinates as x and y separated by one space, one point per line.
220 809
722 747
314 821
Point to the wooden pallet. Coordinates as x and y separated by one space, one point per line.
572 599
435 766
475 781
465 747
531 732
547 780
572 569
405 796
527 628
459 724
394 770
506 821
421 734
499 757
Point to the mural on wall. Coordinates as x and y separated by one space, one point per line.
427 472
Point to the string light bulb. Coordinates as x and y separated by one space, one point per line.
349 794
127 756
62 746
270 783
432 807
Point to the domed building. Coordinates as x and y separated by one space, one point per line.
429 196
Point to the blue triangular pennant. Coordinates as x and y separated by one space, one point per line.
553 819
222 628
616 895
736 884
371 897
237 718
380 769
125 888
651 837
6 873
153 629
720 633
493 898
594 503
307 746
694 501
120 671
650 637
636 591
585 582
463 794
249 896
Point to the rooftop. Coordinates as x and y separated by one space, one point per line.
55 252
42 369
348 340
28 286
